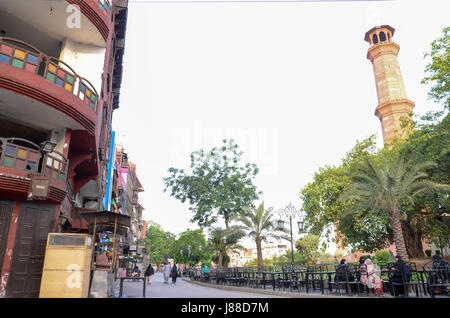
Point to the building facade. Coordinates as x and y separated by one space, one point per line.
241 257
60 78
125 200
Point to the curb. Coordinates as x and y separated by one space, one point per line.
264 292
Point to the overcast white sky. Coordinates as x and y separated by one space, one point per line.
289 81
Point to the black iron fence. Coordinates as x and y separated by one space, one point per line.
407 281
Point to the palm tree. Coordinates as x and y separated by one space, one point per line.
259 226
221 240
384 188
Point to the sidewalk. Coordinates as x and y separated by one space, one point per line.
268 292
181 289
187 288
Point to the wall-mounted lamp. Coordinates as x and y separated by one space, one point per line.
62 220
48 146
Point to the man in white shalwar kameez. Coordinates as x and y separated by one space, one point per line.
166 272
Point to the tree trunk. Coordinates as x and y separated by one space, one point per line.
413 241
260 256
398 234
220 260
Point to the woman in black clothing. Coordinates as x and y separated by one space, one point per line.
149 273
174 273
340 272
400 276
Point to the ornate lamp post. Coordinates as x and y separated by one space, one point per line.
290 212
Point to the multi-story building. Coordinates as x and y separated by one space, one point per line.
241 257
125 200
60 78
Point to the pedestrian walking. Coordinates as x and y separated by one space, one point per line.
174 272
166 272
149 273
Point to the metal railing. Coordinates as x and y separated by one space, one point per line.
26 57
323 279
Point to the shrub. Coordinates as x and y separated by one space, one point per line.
382 258
428 253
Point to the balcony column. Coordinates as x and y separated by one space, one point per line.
66 146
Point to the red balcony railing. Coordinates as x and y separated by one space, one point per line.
25 57
22 154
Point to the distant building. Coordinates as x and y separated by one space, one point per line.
241 257
125 200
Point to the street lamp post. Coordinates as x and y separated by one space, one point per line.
189 254
290 212
183 251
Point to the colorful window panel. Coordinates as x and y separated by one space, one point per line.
104 6
55 169
60 77
88 96
19 58
20 158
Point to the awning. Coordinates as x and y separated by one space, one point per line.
105 221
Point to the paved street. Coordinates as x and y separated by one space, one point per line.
181 289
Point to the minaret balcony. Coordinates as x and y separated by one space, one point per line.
20 159
26 71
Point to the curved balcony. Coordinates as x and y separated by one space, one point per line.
97 11
27 71
21 158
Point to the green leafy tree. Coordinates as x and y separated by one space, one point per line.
218 185
191 248
320 198
368 229
382 258
221 240
425 218
158 242
384 187
258 225
286 258
309 247
438 69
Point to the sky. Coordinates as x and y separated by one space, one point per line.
288 81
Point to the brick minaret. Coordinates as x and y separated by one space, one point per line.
392 100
